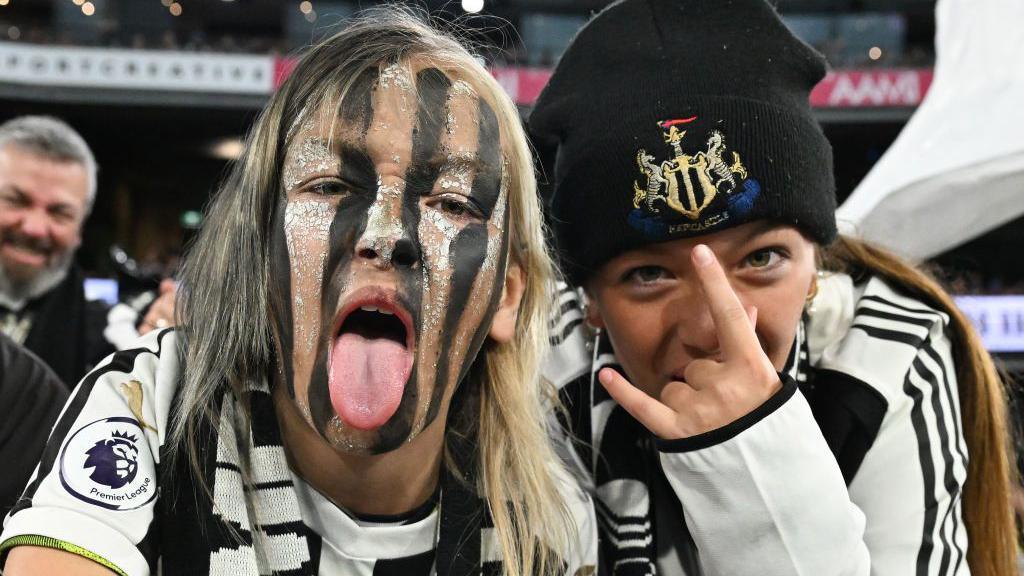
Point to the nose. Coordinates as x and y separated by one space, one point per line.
385 242
35 223
694 326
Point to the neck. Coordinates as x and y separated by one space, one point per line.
379 484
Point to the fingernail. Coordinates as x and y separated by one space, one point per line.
702 255
605 376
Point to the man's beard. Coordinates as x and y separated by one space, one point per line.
15 293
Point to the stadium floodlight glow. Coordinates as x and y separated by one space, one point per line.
4 2
875 53
175 9
14 33
167 3
88 9
306 7
78 2
227 149
472 6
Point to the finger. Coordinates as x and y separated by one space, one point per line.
678 396
654 415
167 286
735 332
702 373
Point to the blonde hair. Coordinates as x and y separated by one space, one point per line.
225 326
991 473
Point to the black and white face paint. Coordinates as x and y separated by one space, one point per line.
389 254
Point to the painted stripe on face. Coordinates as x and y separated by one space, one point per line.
280 295
473 255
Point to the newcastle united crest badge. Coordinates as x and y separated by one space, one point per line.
694 190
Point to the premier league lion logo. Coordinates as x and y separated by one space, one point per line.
114 460
109 463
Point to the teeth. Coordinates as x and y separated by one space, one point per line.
385 312
368 309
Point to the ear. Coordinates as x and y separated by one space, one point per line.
503 327
591 313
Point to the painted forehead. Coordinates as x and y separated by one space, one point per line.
405 119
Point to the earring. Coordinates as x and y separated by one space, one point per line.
813 292
814 288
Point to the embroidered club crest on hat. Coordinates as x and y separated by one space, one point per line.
691 191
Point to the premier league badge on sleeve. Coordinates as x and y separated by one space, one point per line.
108 463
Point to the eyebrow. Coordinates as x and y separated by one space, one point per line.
459 160
755 232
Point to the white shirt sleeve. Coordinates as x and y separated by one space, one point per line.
765 496
95 490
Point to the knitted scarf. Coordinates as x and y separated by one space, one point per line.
256 528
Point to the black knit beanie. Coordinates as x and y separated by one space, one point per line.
676 118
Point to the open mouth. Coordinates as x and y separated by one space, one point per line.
371 358
375 323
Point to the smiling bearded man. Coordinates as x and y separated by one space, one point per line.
353 385
47 189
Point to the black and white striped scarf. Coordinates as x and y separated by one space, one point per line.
259 530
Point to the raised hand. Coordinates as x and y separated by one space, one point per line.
716 392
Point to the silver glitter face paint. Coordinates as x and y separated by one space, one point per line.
307 227
383 222
314 156
399 76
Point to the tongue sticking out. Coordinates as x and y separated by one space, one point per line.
367 377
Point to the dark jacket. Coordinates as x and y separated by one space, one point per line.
31 398
67 330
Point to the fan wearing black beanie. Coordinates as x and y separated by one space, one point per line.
774 398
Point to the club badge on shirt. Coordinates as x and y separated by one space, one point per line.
107 463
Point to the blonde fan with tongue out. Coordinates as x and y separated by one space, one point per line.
353 385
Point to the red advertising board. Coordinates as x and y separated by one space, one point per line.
872 88
839 89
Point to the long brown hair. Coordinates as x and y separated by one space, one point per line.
989 517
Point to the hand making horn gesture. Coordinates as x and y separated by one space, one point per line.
716 392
